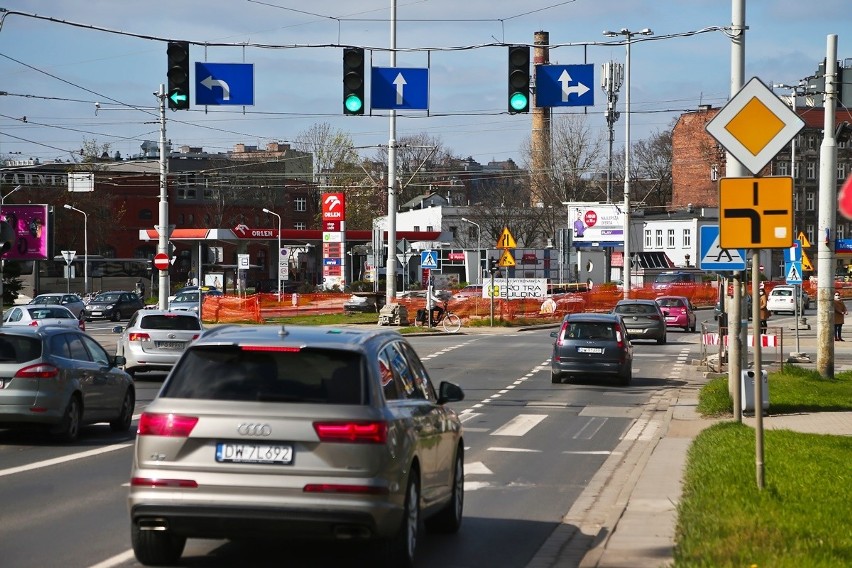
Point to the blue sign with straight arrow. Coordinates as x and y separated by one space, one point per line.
399 88
224 84
564 85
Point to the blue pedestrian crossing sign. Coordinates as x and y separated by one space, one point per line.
713 256
429 259
793 270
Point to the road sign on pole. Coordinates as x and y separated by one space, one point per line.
161 261
224 83
713 256
395 88
564 85
68 255
756 212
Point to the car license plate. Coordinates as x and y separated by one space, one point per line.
671 318
171 345
96 313
589 350
276 454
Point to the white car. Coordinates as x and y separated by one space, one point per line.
783 299
70 301
39 315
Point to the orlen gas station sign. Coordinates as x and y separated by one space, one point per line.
333 207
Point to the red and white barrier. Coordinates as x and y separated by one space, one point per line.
766 340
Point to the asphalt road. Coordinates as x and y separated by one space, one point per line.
531 448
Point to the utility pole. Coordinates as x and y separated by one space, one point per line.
612 77
390 270
163 230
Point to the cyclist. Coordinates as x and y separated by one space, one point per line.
438 298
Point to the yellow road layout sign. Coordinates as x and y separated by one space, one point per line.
506 259
506 241
756 213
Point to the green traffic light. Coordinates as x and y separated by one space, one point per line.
518 101
353 103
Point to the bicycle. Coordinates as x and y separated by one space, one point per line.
448 320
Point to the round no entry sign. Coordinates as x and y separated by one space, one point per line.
161 261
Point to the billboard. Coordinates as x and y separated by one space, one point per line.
333 207
29 222
596 224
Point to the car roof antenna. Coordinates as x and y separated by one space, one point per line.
283 331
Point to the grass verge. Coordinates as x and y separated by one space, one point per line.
802 516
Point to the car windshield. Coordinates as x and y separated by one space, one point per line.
642 309
589 330
183 323
107 298
47 300
42 313
18 349
232 373
186 297
668 278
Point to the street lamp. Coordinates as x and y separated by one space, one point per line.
629 35
478 247
85 248
3 262
278 255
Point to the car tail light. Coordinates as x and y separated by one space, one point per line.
82 325
561 333
156 482
33 323
135 336
166 425
619 338
196 336
337 488
352 432
38 371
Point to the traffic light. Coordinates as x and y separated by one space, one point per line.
353 80
178 75
7 236
519 79
492 265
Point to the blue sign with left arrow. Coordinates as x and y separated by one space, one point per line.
399 88
224 84
564 85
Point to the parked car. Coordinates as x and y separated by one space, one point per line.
669 281
591 344
361 302
180 291
71 301
306 431
154 340
678 311
114 305
469 291
783 299
643 319
60 379
35 316
189 300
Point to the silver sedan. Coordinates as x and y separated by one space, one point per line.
154 340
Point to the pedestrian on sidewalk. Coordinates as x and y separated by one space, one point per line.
839 313
764 312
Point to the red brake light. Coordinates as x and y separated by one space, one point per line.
561 333
271 348
38 371
134 336
336 488
352 432
166 425
154 482
33 323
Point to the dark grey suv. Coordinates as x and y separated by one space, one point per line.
643 319
297 432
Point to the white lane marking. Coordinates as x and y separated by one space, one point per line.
63 459
595 424
591 452
474 485
476 468
519 425
467 414
115 560
521 450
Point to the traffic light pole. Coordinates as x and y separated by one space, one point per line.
390 270
163 229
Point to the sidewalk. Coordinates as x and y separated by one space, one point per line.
643 532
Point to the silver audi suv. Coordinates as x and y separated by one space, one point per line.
297 432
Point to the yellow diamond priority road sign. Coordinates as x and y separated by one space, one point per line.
755 125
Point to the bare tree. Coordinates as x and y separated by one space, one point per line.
653 159
423 165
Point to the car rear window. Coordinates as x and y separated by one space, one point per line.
182 323
17 349
303 376
782 292
42 313
589 330
671 302
638 309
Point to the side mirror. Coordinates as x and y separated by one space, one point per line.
119 360
554 333
118 329
449 392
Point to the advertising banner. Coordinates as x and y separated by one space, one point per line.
29 223
518 288
596 224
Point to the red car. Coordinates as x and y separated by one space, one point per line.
679 312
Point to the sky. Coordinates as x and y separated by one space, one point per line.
52 73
